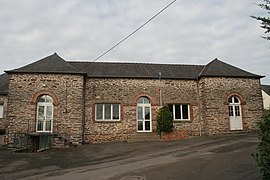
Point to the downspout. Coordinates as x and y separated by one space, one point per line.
199 104
160 90
83 110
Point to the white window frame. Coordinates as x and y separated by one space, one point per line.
45 120
103 112
181 110
1 111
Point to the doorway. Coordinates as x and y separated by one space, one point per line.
144 119
235 114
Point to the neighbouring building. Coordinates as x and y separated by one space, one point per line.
266 96
67 102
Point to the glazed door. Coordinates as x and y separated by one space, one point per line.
144 121
235 114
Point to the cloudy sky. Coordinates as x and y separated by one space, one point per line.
188 32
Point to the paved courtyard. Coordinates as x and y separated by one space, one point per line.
208 157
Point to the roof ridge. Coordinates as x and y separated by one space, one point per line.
169 64
49 64
218 68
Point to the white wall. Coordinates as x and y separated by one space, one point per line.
266 100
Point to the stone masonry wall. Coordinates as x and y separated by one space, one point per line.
214 94
184 92
126 92
207 98
66 90
4 121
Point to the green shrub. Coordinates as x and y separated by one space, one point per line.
164 120
263 150
2 131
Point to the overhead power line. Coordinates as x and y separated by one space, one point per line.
134 31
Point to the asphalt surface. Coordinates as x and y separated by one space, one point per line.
208 157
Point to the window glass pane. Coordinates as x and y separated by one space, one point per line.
49 112
236 100
41 112
237 111
230 110
146 100
185 111
99 111
147 125
40 126
177 111
140 125
230 100
48 126
1 111
49 98
116 111
107 111
147 113
42 99
140 100
140 113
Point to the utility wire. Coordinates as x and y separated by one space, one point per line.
134 31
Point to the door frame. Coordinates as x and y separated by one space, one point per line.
235 114
144 105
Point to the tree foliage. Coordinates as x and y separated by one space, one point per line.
265 20
164 120
263 150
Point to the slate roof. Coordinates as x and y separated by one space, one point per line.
4 84
217 68
49 64
139 70
56 64
266 89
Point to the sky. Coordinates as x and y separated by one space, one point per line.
188 32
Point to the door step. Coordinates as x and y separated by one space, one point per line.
144 137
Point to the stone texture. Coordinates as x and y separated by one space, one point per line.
74 106
175 135
67 92
214 94
125 92
4 120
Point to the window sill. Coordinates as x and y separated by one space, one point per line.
184 120
107 121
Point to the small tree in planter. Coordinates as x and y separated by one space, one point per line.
263 150
164 120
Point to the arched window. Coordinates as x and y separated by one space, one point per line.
44 114
143 100
235 113
144 121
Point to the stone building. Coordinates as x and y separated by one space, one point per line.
87 102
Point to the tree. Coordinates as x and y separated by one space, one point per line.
164 120
263 151
265 20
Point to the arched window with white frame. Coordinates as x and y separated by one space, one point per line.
235 113
44 120
144 118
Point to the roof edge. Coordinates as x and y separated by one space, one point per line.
43 72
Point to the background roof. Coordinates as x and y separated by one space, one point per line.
4 84
266 89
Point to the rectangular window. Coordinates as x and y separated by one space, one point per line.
180 112
1 111
107 112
